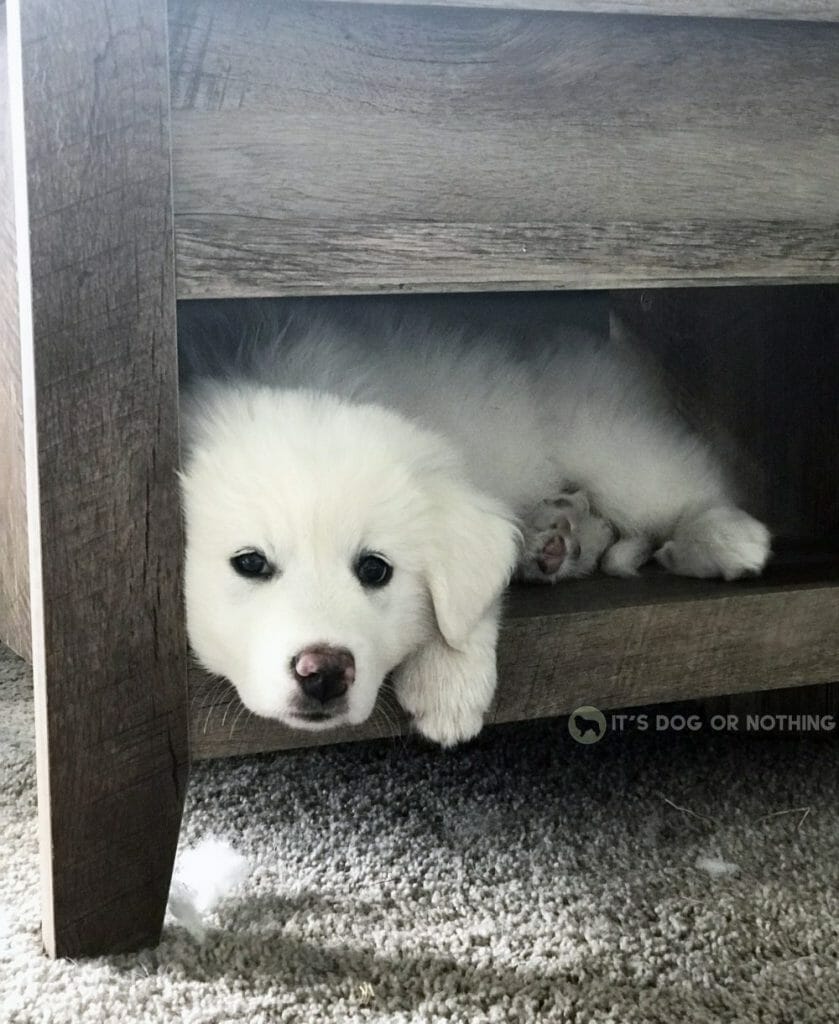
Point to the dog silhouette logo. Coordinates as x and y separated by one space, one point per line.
587 724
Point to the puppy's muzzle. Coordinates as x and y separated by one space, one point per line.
323 673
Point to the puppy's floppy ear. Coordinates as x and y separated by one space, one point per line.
472 556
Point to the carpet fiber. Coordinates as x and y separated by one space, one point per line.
525 877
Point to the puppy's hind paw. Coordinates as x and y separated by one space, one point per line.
626 556
563 540
723 541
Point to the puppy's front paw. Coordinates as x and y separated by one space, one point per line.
448 691
449 726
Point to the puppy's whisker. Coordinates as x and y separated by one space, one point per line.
391 713
199 694
219 685
383 716
236 719
215 704
224 716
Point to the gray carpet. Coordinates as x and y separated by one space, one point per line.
524 878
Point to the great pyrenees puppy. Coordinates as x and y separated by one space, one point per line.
359 490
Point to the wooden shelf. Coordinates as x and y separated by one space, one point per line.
610 643
787 10
792 568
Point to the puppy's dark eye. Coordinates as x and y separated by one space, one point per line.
252 564
373 571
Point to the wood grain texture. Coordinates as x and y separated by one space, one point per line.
336 148
237 256
607 642
810 10
110 654
14 545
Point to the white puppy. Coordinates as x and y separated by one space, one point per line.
358 493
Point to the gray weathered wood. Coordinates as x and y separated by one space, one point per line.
238 256
610 643
14 553
811 10
89 93
336 148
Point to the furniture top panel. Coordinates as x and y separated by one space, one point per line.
812 10
333 147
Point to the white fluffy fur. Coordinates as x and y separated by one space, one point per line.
455 458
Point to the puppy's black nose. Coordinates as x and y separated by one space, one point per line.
324 673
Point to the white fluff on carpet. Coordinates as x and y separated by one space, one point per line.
716 867
204 874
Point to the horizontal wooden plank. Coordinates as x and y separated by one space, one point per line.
811 10
340 148
610 643
230 256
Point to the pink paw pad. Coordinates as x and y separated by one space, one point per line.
559 546
552 556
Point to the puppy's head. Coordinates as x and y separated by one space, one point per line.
325 542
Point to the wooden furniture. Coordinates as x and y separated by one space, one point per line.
326 148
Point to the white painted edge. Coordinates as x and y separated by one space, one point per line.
30 442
